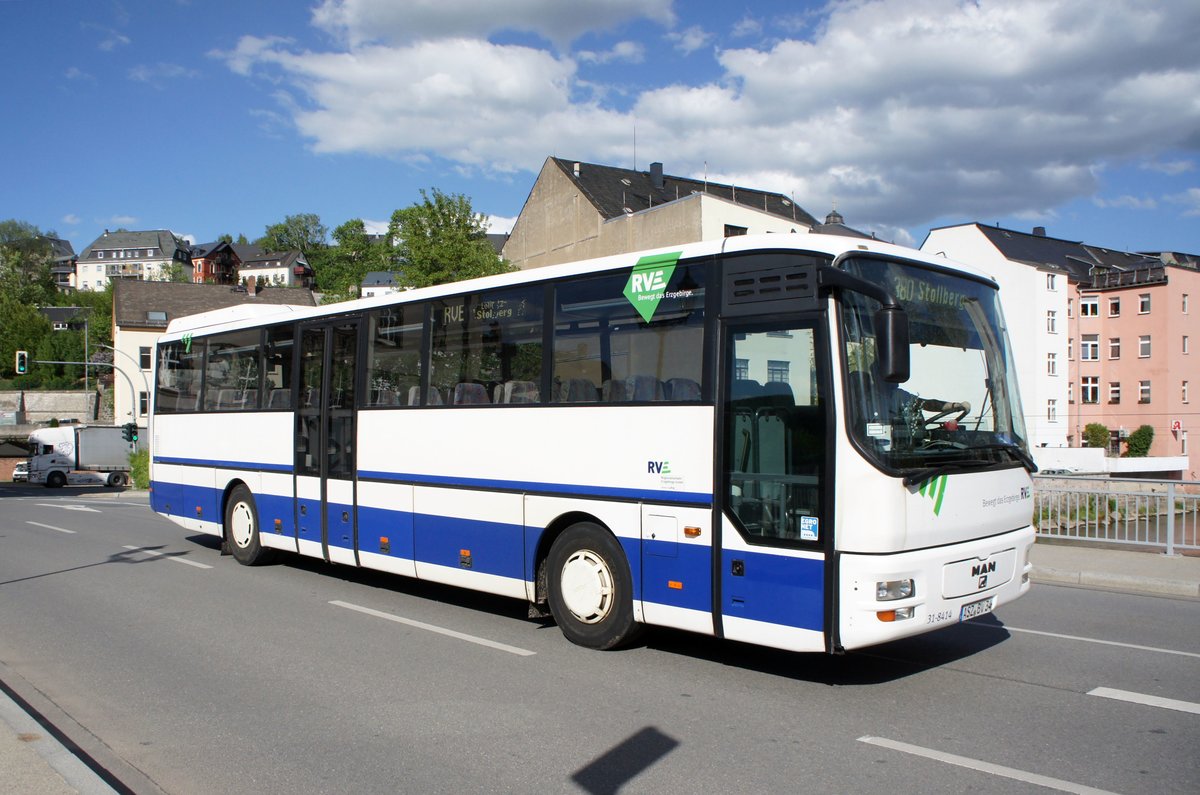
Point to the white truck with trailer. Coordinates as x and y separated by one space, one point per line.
80 455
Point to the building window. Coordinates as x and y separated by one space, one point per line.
1114 307
1051 322
1070 307
1071 392
1052 411
1114 391
1089 390
1089 306
1089 348
741 369
1143 391
1185 343
1144 346
1184 391
1183 443
1114 347
144 354
1185 295
777 371
1051 284
99 255
1070 349
143 403
1051 364
735 231
1144 304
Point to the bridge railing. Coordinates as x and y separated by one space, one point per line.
1160 513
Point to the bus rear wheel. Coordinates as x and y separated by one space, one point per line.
241 528
591 590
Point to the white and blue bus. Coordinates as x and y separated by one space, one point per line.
807 442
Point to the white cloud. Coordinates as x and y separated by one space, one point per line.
122 220
499 225
157 74
1172 168
1126 202
746 26
1190 199
689 40
71 219
905 110
622 51
361 21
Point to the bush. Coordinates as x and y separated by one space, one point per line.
139 469
1095 435
1138 443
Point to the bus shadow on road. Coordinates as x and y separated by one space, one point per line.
871 666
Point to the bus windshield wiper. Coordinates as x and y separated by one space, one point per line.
1016 450
949 467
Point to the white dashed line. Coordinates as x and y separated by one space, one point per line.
491 644
51 527
984 767
1147 700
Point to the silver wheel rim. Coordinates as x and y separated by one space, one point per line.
587 586
241 524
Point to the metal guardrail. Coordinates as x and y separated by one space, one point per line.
1160 513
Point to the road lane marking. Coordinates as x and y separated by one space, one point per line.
491 644
984 767
168 556
1101 642
51 527
1147 700
83 508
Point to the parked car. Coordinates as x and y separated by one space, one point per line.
21 472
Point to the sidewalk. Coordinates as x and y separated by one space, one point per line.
33 761
1133 571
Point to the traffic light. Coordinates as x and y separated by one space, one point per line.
129 432
22 363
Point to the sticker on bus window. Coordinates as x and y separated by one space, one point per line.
809 528
648 282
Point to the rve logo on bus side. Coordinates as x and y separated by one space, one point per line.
648 282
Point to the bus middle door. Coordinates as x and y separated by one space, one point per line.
325 442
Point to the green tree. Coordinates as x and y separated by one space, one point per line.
304 232
340 269
22 328
26 255
1095 435
1138 443
442 239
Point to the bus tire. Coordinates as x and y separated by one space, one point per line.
56 480
591 590
241 528
116 479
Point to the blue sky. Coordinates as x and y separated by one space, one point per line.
224 117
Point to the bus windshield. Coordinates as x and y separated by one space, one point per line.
959 407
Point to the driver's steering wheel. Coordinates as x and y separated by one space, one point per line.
936 419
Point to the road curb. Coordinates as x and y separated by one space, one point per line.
1120 582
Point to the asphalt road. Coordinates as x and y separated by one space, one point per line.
176 669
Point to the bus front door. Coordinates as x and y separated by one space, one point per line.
775 520
325 438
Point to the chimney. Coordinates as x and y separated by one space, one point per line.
577 171
1039 231
252 286
656 176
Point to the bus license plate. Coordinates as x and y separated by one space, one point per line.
982 607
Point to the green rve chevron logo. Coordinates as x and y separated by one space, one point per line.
934 489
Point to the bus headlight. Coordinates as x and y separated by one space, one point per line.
891 590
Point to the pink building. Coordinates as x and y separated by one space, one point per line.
1130 356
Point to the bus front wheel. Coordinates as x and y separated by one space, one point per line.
241 528
591 591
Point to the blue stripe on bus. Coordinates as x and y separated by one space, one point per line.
651 495
776 589
207 462
688 497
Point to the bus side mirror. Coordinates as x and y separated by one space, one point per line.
891 343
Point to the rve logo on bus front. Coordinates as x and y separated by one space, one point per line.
648 282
